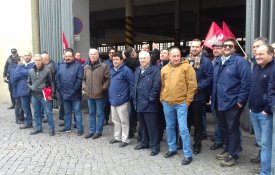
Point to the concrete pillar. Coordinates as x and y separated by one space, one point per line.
129 23
35 26
177 31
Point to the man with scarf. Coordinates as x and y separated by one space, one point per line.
204 72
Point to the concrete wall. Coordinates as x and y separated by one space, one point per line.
15 32
81 11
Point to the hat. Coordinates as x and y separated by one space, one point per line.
13 50
217 43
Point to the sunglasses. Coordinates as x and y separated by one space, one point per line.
230 46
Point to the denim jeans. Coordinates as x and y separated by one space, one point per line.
69 106
262 125
96 107
38 104
26 105
172 114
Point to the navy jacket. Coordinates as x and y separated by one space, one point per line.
204 78
21 77
10 64
69 80
259 99
13 82
121 82
271 89
145 93
231 82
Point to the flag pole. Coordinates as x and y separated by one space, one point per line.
245 55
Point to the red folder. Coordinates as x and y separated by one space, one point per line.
47 93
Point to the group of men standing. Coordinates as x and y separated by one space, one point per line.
175 87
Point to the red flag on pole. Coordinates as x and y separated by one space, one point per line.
215 34
64 41
227 31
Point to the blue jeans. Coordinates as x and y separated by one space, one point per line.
96 106
262 125
26 105
69 106
38 104
173 113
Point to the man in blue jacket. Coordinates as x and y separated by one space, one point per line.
145 95
21 77
69 84
231 85
260 104
204 72
121 81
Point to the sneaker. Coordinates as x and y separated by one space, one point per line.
113 141
51 133
123 144
36 132
64 130
223 155
228 162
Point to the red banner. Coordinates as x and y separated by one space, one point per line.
227 31
64 41
215 34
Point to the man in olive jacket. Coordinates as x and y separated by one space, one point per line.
95 84
178 85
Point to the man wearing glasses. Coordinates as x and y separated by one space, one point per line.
231 85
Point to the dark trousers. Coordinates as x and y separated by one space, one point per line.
19 113
229 121
194 117
161 121
11 94
107 109
150 129
132 116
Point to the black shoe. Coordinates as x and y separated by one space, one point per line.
36 132
123 144
170 154
89 135
138 147
64 130
257 145
197 150
51 133
113 141
79 133
213 139
186 160
96 135
256 160
216 146
62 124
154 152
25 126
11 107
45 120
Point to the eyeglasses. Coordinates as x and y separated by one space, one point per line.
230 46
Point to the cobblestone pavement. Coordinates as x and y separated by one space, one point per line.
21 153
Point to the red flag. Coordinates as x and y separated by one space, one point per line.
64 41
215 34
227 31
